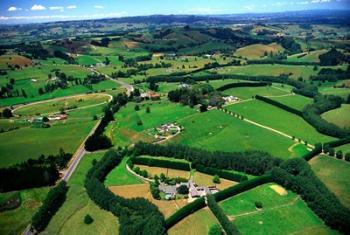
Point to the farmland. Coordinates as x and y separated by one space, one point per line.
339 116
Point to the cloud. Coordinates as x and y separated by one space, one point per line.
249 7
99 7
14 9
56 8
36 7
71 7
320 1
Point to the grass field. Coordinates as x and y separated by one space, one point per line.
334 174
257 51
312 56
215 130
296 101
143 190
171 173
249 92
330 90
125 131
345 148
70 217
339 116
195 224
207 180
120 176
279 119
15 221
30 142
283 212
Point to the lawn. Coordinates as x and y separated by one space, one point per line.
296 101
283 212
249 92
125 131
30 142
339 116
120 176
334 174
16 220
216 131
70 217
279 119
195 224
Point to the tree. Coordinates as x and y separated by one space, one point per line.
339 154
331 152
215 230
7 113
46 119
153 86
347 157
88 219
41 91
24 94
137 107
148 109
139 122
258 204
216 179
94 117
182 189
203 108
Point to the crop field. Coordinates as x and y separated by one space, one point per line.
223 132
295 101
196 223
70 218
125 130
14 221
339 116
274 117
120 176
143 190
257 51
282 212
333 173
76 102
249 92
34 141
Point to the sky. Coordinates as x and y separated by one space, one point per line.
27 11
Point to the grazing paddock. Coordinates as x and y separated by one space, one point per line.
207 180
70 217
339 116
312 56
142 190
197 223
334 173
14 60
171 173
245 93
295 101
257 51
283 212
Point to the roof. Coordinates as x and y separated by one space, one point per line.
167 189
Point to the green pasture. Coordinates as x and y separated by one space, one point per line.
120 176
344 148
217 131
249 92
295 101
70 217
30 142
278 119
16 220
257 51
334 174
282 213
312 56
339 116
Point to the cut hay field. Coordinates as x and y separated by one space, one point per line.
257 51
283 212
295 101
120 176
125 131
143 190
339 116
195 224
70 217
16 220
334 174
296 71
30 142
207 180
216 131
168 172
249 92
279 119
70 103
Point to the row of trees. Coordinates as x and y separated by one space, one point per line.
279 105
331 75
250 162
137 215
34 172
242 84
53 201
148 161
221 173
296 175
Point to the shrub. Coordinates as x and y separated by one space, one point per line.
88 219
258 205
216 179
137 108
347 157
215 230
182 189
339 154
139 122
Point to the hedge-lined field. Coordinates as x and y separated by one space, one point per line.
334 174
279 119
295 101
282 212
225 133
339 116
249 92
70 218
34 141
256 51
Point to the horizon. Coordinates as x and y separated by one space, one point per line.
18 12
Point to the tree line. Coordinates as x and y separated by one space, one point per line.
137 215
242 84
